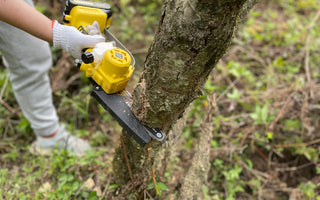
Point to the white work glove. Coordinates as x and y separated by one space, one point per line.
72 40
94 29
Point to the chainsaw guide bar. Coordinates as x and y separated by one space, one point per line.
120 110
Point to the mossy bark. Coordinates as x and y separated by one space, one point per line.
192 36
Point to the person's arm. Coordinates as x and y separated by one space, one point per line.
21 15
25 17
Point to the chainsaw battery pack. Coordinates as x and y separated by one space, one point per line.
78 13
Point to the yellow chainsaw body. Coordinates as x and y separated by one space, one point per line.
114 70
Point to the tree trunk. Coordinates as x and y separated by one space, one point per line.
192 36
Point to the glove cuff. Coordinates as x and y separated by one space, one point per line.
57 31
52 23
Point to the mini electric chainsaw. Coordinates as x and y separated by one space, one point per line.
109 66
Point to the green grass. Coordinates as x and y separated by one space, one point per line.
60 176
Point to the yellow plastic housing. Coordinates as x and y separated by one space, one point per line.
113 73
81 16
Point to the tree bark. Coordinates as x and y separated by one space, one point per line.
192 36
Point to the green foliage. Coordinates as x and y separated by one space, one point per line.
68 183
309 152
24 126
308 190
159 185
227 175
240 71
292 125
66 172
235 95
233 181
261 115
12 155
79 103
16 179
41 8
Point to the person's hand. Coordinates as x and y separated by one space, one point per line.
72 40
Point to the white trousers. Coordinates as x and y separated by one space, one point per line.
28 60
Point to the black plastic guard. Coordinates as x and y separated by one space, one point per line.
121 112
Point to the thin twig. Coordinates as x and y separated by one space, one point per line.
4 86
127 191
153 176
258 174
72 79
104 193
97 182
1 95
232 85
143 194
297 144
149 195
286 169
280 113
81 187
127 161
7 106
